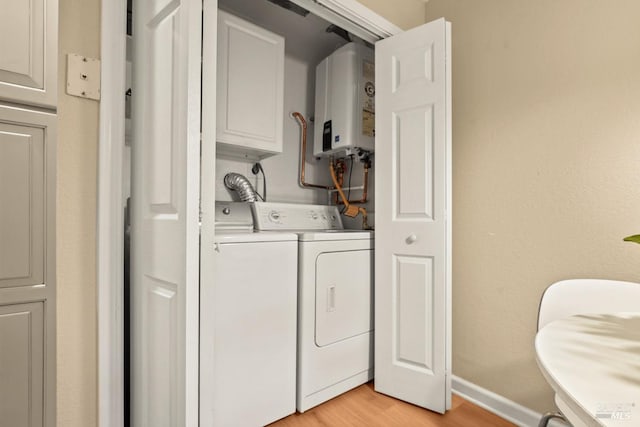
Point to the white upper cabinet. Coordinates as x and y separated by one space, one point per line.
250 85
28 46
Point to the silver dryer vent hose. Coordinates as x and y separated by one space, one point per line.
240 184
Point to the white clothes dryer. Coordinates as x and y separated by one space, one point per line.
255 320
335 299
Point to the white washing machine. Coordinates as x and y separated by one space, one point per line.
255 320
335 299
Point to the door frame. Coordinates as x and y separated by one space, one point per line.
110 221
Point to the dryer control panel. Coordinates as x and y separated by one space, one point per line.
289 216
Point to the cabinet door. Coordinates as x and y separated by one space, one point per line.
27 267
21 365
28 51
250 87
22 215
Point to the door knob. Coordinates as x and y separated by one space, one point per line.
411 239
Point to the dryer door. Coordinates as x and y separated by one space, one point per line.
344 292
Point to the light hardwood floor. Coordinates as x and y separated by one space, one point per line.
363 407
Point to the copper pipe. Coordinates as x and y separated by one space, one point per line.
363 199
303 153
340 169
350 210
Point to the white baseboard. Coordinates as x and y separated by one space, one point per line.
501 406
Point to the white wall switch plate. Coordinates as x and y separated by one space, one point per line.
83 76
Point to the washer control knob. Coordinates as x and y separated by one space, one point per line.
274 216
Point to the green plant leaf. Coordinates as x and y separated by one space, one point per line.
635 238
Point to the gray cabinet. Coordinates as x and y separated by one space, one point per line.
27 267
21 368
28 51
28 78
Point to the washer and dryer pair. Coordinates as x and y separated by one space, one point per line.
335 298
293 310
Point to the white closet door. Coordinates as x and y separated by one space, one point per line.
413 208
165 210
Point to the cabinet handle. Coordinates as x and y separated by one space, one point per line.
411 239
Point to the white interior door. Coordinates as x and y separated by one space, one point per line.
165 210
413 216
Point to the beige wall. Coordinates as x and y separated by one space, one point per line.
403 13
76 223
546 168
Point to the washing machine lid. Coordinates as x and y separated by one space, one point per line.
330 235
225 236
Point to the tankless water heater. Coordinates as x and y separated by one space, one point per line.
345 109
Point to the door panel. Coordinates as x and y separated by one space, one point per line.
161 342
343 296
413 290
22 197
412 304
27 267
414 164
21 364
164 215
28 42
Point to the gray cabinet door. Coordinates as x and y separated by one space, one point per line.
23 205
28 51
21 367
27 267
